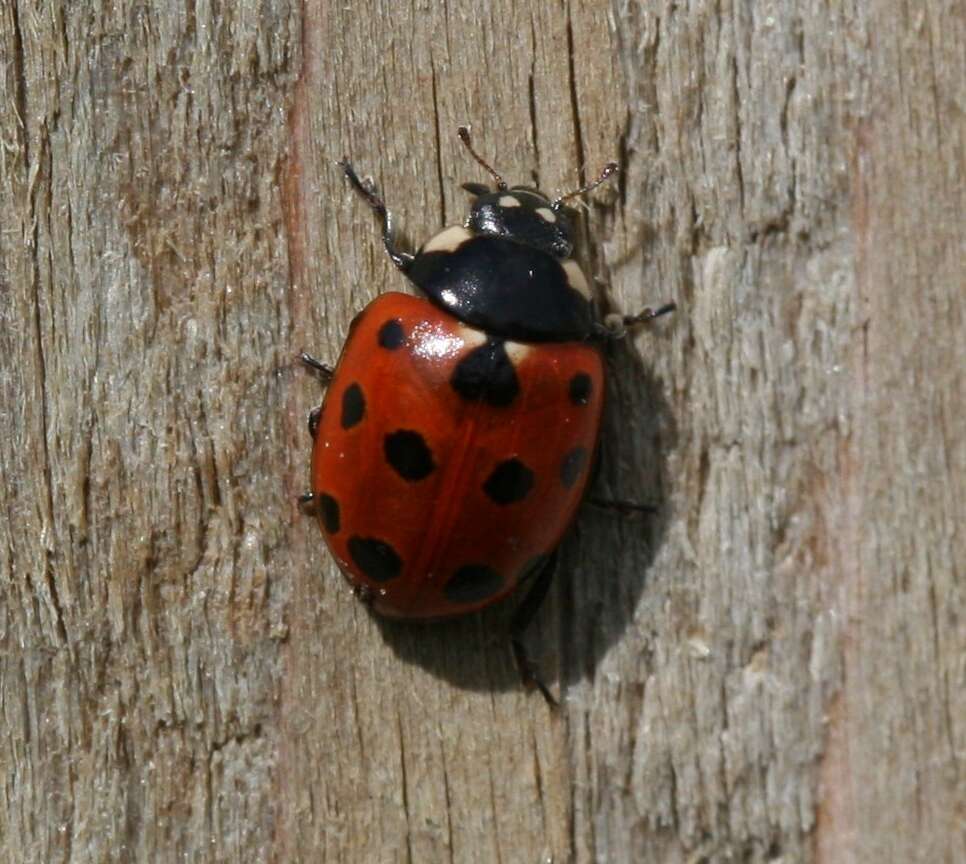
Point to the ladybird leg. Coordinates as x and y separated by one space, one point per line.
614 326
308 504
323 371
314 416
401 259
625 508
364 594
648 314
522 619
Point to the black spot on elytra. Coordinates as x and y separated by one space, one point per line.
329 511
573 463
392 335
486 374
510 481
581 386
375 558
472 584
409 454
353 406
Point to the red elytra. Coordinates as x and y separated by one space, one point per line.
437 499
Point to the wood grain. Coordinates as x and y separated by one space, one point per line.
771 668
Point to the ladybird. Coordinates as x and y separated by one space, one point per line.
459 429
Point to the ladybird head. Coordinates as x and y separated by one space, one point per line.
523 214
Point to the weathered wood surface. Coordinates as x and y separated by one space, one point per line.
771 669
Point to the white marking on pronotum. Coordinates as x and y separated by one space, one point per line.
447 240
516 351
546 214
575 277
508 201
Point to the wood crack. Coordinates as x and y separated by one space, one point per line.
438 148
574 102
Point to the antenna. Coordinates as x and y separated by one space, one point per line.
464 133
608 171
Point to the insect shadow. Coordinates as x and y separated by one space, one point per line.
604 561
